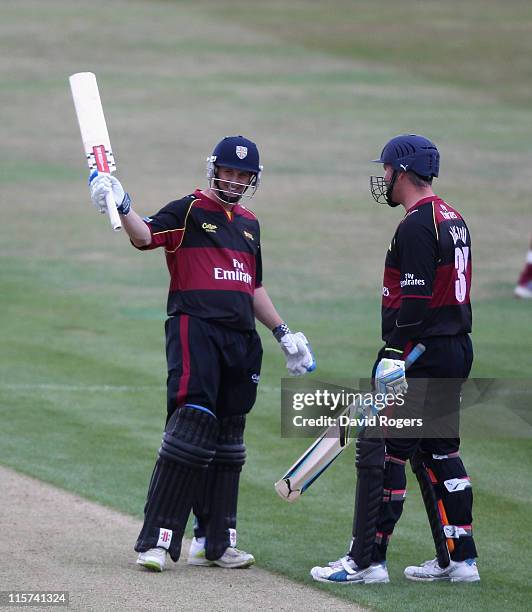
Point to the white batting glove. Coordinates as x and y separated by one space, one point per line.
297 350
390 376
298 353
102 183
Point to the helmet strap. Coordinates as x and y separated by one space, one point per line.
389 191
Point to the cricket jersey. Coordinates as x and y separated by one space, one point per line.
429 259
213 257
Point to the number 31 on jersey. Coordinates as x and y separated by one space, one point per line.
461 257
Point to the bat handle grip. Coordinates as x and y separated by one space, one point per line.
416 352
114 217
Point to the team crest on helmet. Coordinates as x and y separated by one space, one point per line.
241 152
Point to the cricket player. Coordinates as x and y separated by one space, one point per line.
523 289
213 253
425 298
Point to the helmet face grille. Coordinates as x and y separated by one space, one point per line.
378 189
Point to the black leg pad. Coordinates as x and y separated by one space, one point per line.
430 500
216 506
187 448
368 498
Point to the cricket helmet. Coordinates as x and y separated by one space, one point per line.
411 152
238 153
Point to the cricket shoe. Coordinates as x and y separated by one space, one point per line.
345 571
233 558
524 290
153 559
456 571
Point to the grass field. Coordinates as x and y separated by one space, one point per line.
320 88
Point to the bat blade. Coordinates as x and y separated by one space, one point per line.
94 134
315 460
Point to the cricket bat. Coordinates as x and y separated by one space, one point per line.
94 133
321 453
315 460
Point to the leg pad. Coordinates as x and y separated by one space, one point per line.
368 498
216 506
187 448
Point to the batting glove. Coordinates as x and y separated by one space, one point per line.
100 184
390 376
297 350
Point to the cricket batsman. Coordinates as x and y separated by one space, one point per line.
425 298
213 253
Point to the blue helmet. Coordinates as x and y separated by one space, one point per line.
236 152
411 152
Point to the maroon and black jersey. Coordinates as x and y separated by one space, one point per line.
213 257
429 259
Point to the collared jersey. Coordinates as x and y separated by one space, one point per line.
429 258
213 257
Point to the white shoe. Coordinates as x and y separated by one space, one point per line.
524 291
196 553
456 571
345 571
153 559
232 558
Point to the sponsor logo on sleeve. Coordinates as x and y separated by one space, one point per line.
447 214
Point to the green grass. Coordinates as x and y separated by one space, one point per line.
468 44
321 88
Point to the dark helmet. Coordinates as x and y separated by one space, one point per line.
411 152
236 152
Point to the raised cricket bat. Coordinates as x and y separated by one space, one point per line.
94 133
321 453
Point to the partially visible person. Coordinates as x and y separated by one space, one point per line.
523 288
